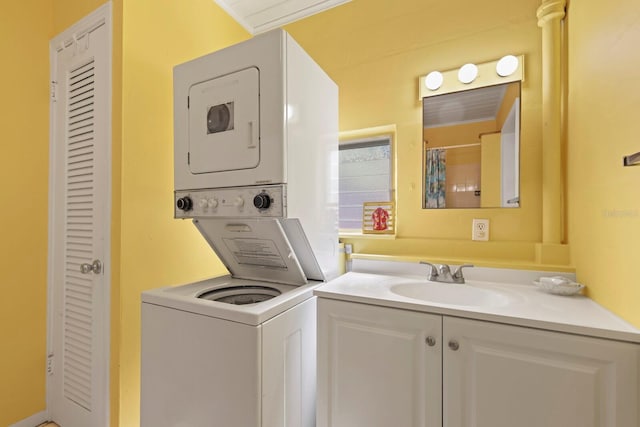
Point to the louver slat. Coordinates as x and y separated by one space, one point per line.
78 320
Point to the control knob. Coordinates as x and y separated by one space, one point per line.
262 201
184 203
239 202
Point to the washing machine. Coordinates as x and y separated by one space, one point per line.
255 170
228 352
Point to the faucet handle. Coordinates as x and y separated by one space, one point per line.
434 270
445 270
457 275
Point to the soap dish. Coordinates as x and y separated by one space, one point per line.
558 287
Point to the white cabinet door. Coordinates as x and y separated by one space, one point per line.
504 376
80 223
376 367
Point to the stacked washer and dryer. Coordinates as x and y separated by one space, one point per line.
255 134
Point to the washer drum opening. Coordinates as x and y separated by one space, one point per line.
241 295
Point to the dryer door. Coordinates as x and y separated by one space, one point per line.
224 123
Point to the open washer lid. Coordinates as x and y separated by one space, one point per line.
269 249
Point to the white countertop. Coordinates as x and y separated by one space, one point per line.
527 305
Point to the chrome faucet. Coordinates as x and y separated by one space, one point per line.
442 273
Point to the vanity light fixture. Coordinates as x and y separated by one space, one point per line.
507 69
507 65
434 80
468 73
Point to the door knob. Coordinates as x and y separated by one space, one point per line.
95 267
454 345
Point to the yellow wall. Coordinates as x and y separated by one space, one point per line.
461 134
376 53
463 156
68 12
603 126
25 28
376 62
157 250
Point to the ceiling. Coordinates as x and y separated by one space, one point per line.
463 107
258 16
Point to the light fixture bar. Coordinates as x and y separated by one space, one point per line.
485 74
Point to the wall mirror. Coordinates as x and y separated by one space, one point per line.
471 152
471 148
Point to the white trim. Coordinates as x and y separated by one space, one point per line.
373 134
282 16
485 274
368 139
68 39
449 147
100 16
384 140
354 233
33 420
236 16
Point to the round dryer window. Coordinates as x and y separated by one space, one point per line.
220 118
241 295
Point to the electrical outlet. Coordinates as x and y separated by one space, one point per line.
480 230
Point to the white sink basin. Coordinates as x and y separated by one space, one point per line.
451 293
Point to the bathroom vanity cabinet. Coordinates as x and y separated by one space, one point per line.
381 367
375 368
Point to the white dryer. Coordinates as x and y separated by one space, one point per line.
256 133
256 137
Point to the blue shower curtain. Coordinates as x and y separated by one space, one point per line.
435 185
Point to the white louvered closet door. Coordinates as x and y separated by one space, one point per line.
79 248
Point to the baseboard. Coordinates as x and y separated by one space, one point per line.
33 420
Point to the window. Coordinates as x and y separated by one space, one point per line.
365 175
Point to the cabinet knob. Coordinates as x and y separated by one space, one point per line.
431 341
453 345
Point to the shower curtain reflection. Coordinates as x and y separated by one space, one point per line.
435 178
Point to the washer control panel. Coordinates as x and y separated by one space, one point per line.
242 202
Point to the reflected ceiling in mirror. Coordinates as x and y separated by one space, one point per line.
471 148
